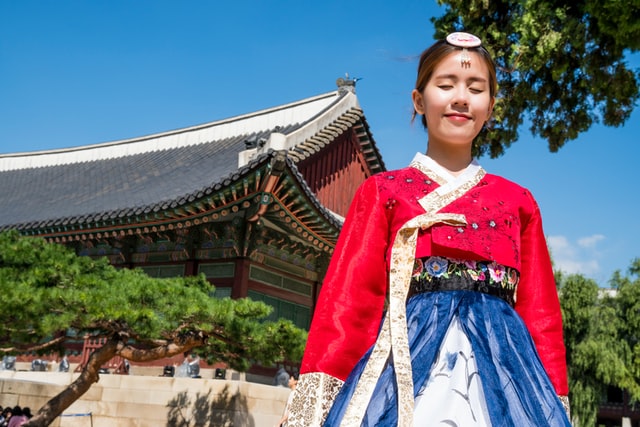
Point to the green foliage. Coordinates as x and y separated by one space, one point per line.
602 339
629 314
47 291
263 343
561 65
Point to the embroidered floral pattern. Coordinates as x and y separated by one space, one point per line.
438 273
492 223
390 203
435 266
496 272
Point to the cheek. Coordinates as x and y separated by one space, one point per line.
436 105
484 109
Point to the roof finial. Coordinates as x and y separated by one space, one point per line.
347 83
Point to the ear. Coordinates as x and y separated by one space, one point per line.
418 101
491 105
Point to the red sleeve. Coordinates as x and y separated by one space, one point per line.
537 301
350 305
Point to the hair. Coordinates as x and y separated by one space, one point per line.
431 58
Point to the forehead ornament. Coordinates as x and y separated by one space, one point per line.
465 41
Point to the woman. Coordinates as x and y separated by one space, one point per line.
17 417
292 383
439 306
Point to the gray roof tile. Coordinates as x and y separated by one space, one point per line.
151 180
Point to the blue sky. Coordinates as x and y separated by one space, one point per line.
84 72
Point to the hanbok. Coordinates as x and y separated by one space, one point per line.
439 308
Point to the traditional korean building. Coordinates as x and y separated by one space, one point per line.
617 409
254 202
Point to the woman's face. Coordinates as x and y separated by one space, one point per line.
456 101
292 382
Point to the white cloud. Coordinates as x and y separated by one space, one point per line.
579 257
559 244
590 241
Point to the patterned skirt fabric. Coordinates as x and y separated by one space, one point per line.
474 364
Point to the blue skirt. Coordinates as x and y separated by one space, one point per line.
515 387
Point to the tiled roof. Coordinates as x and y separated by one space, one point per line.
151 173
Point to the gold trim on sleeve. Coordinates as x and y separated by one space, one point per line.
312 399
566 405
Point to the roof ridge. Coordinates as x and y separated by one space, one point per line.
268 118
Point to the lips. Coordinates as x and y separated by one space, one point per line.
458 116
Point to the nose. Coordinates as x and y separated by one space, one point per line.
460 96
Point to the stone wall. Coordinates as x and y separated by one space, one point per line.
149 401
